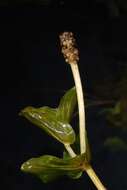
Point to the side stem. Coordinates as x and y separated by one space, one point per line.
70 150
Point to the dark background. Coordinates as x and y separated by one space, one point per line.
33 72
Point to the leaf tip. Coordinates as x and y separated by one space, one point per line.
25 110
22 167
26 167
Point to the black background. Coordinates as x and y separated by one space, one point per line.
33 72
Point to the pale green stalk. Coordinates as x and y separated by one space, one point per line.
71 56
81 107
70 150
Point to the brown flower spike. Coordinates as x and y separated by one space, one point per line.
69 50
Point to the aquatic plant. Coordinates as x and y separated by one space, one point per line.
56 122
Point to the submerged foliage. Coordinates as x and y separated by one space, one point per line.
56 122
49 168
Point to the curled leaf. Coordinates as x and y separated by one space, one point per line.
115 144
49 168
74 174
67 105
55 121
46 119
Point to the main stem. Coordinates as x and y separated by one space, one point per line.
71 56
88 169
82 126
78 85
91 173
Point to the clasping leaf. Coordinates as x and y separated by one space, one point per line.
48 168
55 121
67 105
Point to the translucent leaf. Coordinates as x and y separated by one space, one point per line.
117 109
117 116
46 119
67 105
49 168
115 144
55 121
74 174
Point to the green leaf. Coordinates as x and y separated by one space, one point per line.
46 119
76 148
117 115
117 109
72 175
49 168
75 174
67 105
115 144
55 121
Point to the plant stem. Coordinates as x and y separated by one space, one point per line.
71 56
70 150
81 107
89 170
